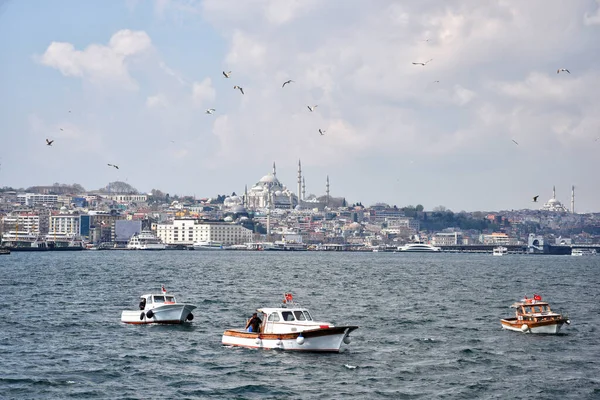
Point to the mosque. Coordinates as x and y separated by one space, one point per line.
556 206
269 192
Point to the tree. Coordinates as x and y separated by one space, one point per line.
419 208
77 188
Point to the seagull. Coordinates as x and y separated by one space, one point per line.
112 165
515 142
69 111
61 129
239 87
227 74
535 198
436 81
312 108
421 63
562 69
211 110
598 138
322 132
49 142
350 366
286 82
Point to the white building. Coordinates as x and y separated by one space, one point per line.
64 225
190 231
32 199
447 239
29 223
269 191
126 198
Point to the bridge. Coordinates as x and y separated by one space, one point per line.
520 248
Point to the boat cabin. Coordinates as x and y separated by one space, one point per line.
288 320
149 301
534 311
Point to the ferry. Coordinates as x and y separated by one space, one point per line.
533 315
499 251
583 252
145 240
290 327
418 247
208 246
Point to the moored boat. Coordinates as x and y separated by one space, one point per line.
534 316
145 240
4 250
159 309
499 251
290 327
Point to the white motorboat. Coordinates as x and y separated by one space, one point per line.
159 309
290 327
145 240
208 246
499 251
419 247
534 316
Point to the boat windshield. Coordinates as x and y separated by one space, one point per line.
299 315
287 316
170 299
159 299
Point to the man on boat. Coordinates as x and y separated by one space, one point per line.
253 324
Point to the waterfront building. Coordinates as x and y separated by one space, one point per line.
190 231
64 225
32 199
447 239
497 238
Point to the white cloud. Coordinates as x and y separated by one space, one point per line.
592 19
98 63
156 101
203 92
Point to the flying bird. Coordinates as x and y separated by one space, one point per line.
211 110
598 138
562 70
286 82
322 132
436 81
423 63
239 87
226 74
535 198
515 142
112 165
69 111
49 142
311 109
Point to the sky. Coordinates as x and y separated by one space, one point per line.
485 125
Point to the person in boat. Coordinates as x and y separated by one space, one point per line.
142 304
253 324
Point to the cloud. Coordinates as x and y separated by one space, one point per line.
592 19
99 63
156 101
203 92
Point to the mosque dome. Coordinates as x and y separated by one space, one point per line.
228 219
269 178
238 209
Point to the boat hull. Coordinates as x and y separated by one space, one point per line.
551 327
166 314
315 340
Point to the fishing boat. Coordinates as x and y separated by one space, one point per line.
160 308
290 327
534 316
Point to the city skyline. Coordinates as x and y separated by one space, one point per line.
487 124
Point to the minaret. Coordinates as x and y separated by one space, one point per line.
553 191
274 170
303 189
572 199
299 181
327 191
269 213
246 197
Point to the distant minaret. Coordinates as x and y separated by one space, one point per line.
573 199
303 189
553 191
327 191
274 170
299 181
246 196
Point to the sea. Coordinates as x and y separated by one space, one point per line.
429 326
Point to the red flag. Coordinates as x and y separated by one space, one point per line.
537 297
163 289
288 297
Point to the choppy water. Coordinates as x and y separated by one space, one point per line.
429 326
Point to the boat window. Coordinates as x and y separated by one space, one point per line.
287 316
171 299
299 316
159 299
527 309
536 309
274 317
308 317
